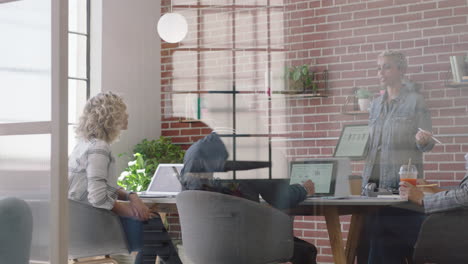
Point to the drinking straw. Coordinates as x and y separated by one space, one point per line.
409 164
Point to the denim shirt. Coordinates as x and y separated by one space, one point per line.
393 134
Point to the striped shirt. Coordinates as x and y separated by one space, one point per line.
92 174
456 198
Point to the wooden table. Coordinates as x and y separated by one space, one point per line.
357 207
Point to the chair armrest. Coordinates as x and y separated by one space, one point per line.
442 238
94 232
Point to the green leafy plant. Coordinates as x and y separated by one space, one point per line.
151 153
363 94
134 177
301 78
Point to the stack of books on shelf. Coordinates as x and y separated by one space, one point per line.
458 66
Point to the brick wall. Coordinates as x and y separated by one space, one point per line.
343 36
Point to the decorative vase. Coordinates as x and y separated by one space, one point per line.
364 104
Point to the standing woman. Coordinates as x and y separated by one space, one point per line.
399 125
92 173
394 122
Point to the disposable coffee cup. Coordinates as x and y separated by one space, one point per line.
355 184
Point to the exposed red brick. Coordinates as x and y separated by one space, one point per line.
366 14
437 13
353 7
380 38
422 7
451 3
393 10
409 17
452 21
341 17
327 11
379 21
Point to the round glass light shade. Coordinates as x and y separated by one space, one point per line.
172 27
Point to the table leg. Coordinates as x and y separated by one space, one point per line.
355 228
334 232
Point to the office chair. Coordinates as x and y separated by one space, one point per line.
442 238
15 231
93 232
219 228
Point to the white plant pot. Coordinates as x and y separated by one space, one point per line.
364 104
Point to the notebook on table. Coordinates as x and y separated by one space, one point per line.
165 182
321 172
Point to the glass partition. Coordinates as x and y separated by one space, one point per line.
25 113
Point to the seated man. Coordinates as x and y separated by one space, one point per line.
442 238
440 199
209 155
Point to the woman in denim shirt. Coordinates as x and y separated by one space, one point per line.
394 122
395 118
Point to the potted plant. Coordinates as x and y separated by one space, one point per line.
301 78
364 97
148 154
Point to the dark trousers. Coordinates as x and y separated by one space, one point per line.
304 252
389 236
150 239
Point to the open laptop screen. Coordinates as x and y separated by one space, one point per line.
321 172
165 179
353 142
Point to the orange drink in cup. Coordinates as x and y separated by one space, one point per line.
409 174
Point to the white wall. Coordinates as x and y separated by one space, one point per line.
128 63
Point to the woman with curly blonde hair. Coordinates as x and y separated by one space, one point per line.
104 116
93 175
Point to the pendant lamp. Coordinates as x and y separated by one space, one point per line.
172 27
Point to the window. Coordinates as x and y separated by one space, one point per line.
224 74
78 62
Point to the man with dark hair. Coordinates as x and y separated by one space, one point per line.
209 155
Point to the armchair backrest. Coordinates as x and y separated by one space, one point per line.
442 238
92 231
220 228
15 231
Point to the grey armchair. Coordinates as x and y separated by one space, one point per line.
15 231
442 239
93 232
218 228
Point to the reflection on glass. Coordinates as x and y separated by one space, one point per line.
216 110
77 56
216 71
77 16
252 114
76 99
26 97
25 165
216 25
25 68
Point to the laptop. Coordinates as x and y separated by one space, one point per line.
321 172
353 142
165 182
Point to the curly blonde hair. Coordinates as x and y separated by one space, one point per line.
398 57
103 117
